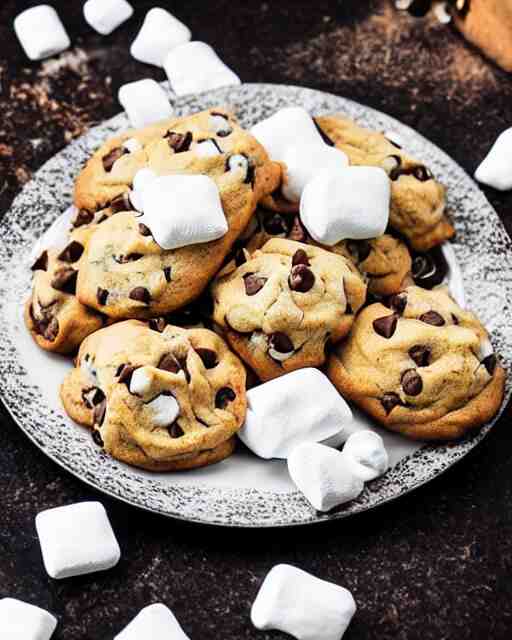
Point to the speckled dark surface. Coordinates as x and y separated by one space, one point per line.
434 565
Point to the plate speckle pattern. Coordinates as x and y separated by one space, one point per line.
482 248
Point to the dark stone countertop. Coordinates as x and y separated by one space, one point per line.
433 565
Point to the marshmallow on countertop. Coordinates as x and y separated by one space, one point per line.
41 32
301 406
76 539
181 210
306 607
365 454
155 622
496 168
351 203
106 15
22 621
323 475
160 33
195 67
145 102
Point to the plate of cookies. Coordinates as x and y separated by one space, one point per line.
276 307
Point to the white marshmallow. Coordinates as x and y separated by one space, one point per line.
302 605
41 32
141 381
76 539
106 15
89 370
496 168
303 162
366 455
142 179
132 145
350 203
181 210
323 476
194 67
164 409
22 621
301 406
145 102
160 33
207 148
282 130
155 622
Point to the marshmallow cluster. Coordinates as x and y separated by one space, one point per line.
159 33
301 406
179 210
41 32
22 621
145 102
306 607
106 15
194 67
76 539
496 168
155 622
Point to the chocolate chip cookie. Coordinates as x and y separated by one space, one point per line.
158 400
417 199
124 272
421 366
284 303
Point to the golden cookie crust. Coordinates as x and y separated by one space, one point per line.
122 256
195 366
429 379
417 199
273 294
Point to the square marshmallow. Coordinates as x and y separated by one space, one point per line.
194 67
181 210
145 102
306 607
351 203
155 622
301 406
106 15
496 168
76 539
22 621
41 32
160 33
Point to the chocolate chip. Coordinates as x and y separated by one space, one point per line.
420 354
124 374
412 384
490 363
395 144
131 257
280 342
359 249
92 397
169 363
300 257
322 133
419 8
83 217
97 439
455 319
101 295
422 173
223 397
298 232
167 274
144 230
429 269
386 325
253 283
140 294
99 412
301 278
179 141
398 302
389 401
121 203
208 357
157 324
240 258
41 264
175 431
433 318
64 279
72 253
275 225
391 165
112 157
51 331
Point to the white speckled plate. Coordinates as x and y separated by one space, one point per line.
243 490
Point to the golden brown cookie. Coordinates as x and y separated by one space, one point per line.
160 401
281 307
124 272
417 199
423 366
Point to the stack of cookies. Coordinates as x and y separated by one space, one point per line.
197 255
